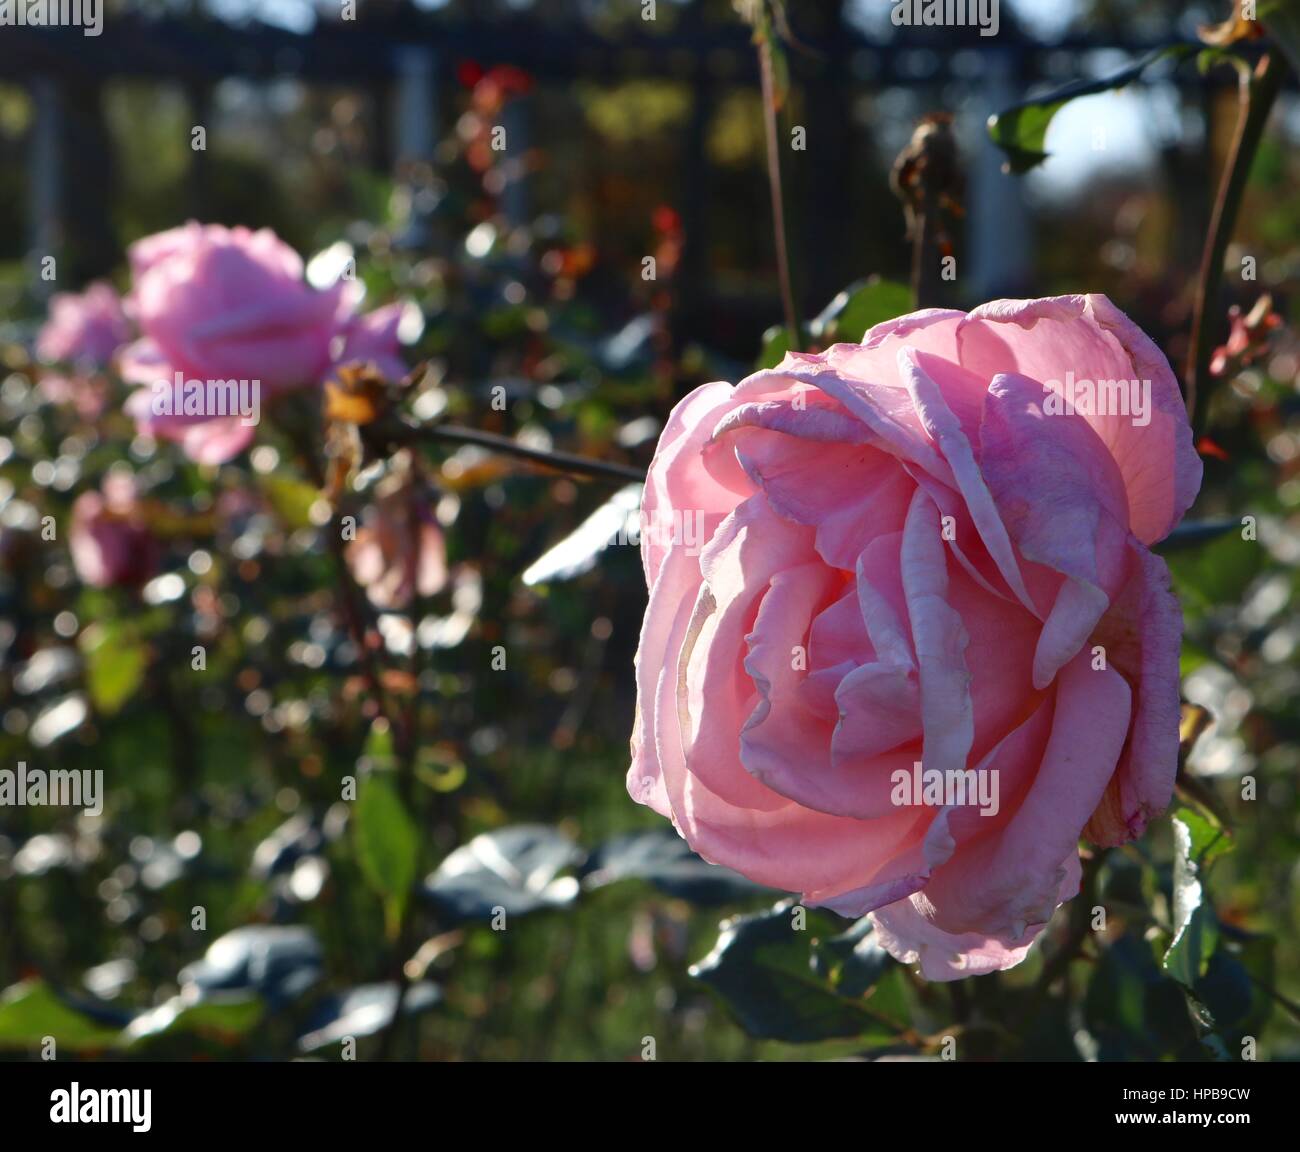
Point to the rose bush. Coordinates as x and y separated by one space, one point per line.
909 559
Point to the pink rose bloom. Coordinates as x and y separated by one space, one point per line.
109 539
83 330
217 303
372 339
907 557
399 550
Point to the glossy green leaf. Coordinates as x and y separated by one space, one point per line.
859 308
578 552
1209 838
1021 130
364 1011
1195 930
761 967
31 1011
854 960
1132 1011
515 870
224 1017
277 962
664 859
776 343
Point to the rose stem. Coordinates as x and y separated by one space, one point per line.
1257 95
768 83
408 433
350 600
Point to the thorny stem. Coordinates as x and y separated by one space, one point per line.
405 931
768 83
1257 95
925 253
405 433
347 592
354 613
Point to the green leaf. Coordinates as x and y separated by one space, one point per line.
776 343
1190 534
1021 130
1131 1010
116 661
365 1011
1209 838
378 752
1281 19
1195 930
758 15
31 1011
1207 59
663 858
226 1017
579 551
859 308
853 961
1217 573
515 870
761 967
387 846
291 498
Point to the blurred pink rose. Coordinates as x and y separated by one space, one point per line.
372 339
84 328
907 562
220 304
83 331
398 551
109 539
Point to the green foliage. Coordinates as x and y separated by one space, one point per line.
767 969
31 1011
387 844
1195 932
1021 130
116 661
224 784
859 308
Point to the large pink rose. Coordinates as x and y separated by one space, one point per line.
217 303
910 561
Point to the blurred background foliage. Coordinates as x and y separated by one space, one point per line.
526 269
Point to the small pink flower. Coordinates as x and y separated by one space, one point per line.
1248 337
399 551
84 329
110 539
904 563
83 332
